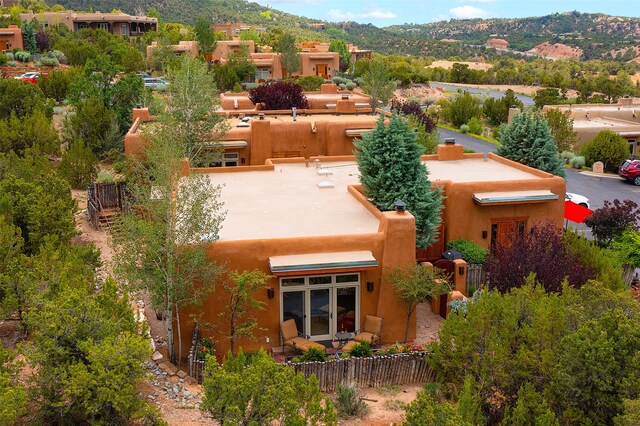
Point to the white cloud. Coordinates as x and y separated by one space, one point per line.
373 13
478 1
468 12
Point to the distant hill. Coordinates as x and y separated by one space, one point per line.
595 34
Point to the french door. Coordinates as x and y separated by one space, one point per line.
321 305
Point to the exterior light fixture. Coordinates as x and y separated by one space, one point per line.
369 286
450 141
271 292
261 116
400 206
460 270
484 235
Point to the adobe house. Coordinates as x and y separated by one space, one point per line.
10 38
590 119
329 127
328 250
115 23
183 47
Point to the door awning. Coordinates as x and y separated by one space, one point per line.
323 261
354 133
513 197
234 144
575 212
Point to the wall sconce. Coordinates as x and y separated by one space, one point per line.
369 286
460 270
271 292
484 235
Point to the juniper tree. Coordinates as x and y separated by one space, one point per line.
528 140
376 83
391 170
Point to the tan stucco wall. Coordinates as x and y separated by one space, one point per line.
10 38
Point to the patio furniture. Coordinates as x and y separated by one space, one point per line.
343 337
292 338
369 333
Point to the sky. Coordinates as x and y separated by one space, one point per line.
389 12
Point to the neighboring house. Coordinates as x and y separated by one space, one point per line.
307 223
233 30
10 38
115 23
590 119
182 48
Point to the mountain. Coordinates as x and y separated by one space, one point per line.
595 34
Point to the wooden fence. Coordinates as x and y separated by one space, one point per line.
104 196
196 366
476 277
376 371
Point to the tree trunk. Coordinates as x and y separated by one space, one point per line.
179 335
169 328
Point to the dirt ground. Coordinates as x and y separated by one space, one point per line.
478 66
420 91
525 90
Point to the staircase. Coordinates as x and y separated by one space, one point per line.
104 205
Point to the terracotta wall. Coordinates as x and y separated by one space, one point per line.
10 38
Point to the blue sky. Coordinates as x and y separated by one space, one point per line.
389 12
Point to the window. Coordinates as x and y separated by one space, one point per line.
123 29
82 25
262 74
229 159
632 144
103 26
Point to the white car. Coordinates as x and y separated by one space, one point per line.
28 75
580 200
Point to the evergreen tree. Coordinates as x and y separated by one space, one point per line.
376 83
528 140
289 56
391 170
205 36
29 38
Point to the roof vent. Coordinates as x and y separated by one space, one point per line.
345 97
324 172
325 184
400 206
450 141
261 116
242 124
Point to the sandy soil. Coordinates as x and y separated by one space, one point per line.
479 66
420 91
525 90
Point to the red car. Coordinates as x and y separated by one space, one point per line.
30 77
630 170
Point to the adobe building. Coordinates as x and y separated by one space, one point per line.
328 250
10 38
590 119
189 48
115 23
329 127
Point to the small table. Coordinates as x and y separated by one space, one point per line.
343 337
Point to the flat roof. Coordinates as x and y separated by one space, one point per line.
288 202
604 122
362 119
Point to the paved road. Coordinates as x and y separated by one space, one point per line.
496 94
469 142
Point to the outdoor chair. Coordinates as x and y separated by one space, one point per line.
292 338
369 333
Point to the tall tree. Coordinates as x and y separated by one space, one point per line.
340 47
289 55
163 250
29 37
204 36
391 170
528 140
376 83
561 126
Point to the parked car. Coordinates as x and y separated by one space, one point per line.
30 77
143 75
156 83
630 170
580 200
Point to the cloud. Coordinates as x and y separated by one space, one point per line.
373 13
478 1
468 12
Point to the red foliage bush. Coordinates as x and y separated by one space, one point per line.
611 220
279 95
413 108
542 251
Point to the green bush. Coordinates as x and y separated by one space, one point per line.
342 86
105 177
310 83
340 80
313 354
464 129
79 166
22 56
475 126
361 350
608 147
567 156
348 402
237 88
57 55
461 109
10 56
12 63
351 85
3 59
49 62
471 252
577 162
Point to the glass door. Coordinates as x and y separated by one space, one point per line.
346 305
293 307
321 316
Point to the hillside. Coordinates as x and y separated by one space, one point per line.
595 34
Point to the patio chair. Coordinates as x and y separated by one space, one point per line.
294 339
369 333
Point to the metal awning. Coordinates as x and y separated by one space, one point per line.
513 197
321 56
263 62
323 261
353 133
234 144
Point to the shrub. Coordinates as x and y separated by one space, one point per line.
567 156
461 109
351 85
37 63
361 350
611 220
3 59
105 177
577 162
310 83
237 88
608 147
464 128
57 55
249 86
78 166
349 403
475 126
207 347
471 252
340 80
22 56
313 354
342 86
12 63
10 56
49 62
279 95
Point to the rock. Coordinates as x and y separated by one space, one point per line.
151 397
169 368
173 379
175 389
157 356
598 167
181 374
190 381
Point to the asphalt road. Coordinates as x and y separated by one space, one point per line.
596 188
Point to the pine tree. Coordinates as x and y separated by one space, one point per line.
391 170
29 38
528 140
